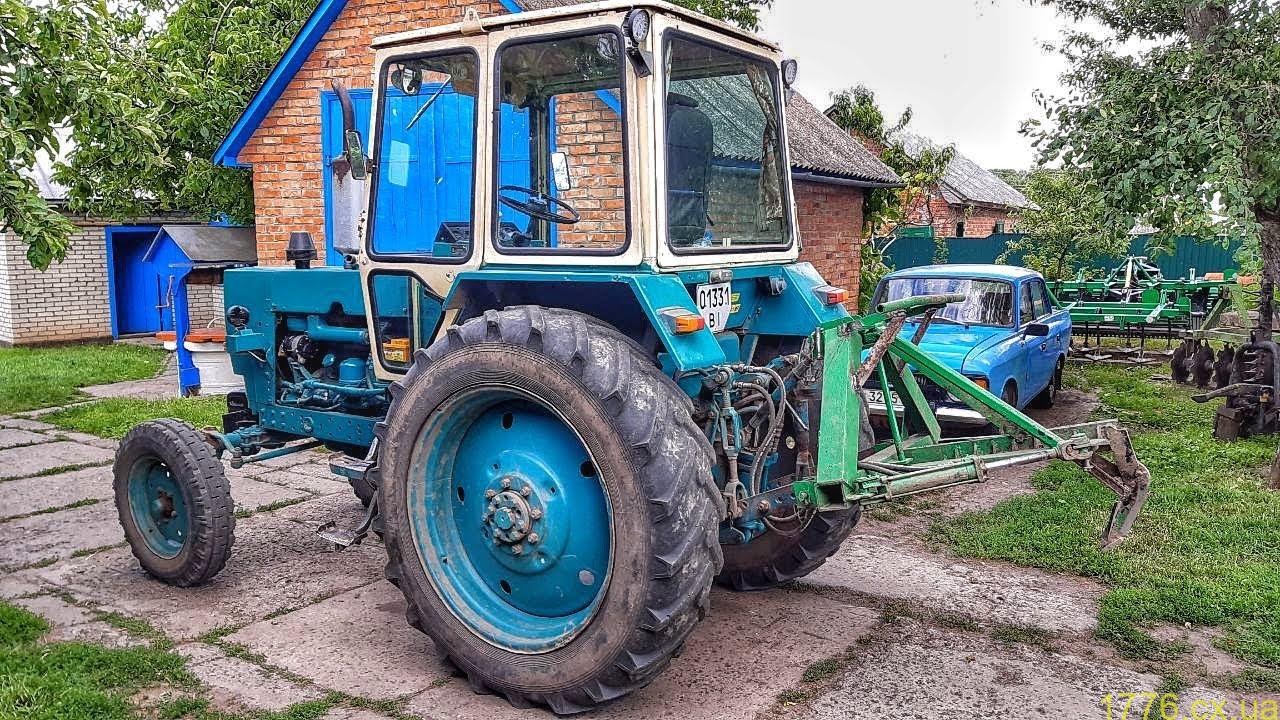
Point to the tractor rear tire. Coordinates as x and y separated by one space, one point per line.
510 380
174 502
773 559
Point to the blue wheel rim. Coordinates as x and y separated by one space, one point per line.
158 507
510 520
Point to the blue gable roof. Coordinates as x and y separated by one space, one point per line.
306 40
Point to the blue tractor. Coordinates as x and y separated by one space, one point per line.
573 367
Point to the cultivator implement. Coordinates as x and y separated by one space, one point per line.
916 458
1138 305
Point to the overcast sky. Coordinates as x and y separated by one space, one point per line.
966 67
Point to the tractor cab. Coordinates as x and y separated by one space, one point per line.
607 135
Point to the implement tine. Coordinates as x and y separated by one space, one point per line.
1127 477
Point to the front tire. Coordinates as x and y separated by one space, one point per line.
174 502
1049 395
774 559
533 421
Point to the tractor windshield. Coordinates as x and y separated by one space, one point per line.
561 157
725 184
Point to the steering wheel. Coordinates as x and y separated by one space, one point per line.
538 205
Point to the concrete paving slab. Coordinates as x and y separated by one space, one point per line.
21 462
782 632
56 610
357 642
303 481
236 682
88 439
292 459
27 424
160 387
250 494
352 714
58 535
96 633
28 495
917 672
13 437
989 592
275 564
344 508
18 584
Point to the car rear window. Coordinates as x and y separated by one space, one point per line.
987 302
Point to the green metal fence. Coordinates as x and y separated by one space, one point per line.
1189 252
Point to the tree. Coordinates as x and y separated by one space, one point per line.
1065 232
1183 134
856 111
58 65
743 13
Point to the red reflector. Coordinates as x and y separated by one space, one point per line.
682 321
831 295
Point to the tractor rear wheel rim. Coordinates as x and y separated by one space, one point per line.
158 507
510 519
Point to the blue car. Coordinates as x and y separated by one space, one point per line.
1007 336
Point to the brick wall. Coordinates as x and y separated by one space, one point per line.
66 302
978 221
830 218
590 133
285 150
204 304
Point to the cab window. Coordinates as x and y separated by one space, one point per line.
726 186
561 151
425 159
1040 299
1026 306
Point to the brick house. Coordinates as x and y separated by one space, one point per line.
289 133
91 294
971 201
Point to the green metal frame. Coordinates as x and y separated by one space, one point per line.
917 459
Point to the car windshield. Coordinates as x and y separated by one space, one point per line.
987 302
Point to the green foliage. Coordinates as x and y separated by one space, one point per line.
33 378
1204 551
856 110
743 13
113 417
1067 231
73 681
1183 133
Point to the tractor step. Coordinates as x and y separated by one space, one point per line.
344 465
344 538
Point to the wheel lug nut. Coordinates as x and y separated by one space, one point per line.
506 483
535 513
533 538
490 493
517 549
526 491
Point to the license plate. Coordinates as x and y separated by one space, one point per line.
876 397
715 302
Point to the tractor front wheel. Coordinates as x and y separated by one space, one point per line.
776 558
549 507
174 502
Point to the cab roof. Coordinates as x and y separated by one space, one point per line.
562 12
994 272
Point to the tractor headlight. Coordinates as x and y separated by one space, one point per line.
636 26
790 69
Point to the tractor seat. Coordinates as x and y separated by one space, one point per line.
690 143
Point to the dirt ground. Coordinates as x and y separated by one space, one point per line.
889 628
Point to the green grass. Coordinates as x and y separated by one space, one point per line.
113 417
1205 551
33 378
73 681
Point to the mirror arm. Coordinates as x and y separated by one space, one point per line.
352 144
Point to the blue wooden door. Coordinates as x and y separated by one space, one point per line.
425 166
138 289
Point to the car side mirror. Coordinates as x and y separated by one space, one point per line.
1037 330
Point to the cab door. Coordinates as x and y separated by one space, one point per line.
1042 352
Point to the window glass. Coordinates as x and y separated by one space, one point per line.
405 317
725 172
560 145
425 165
987 302
1027 310
1040 299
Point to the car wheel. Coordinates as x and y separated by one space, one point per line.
1049 395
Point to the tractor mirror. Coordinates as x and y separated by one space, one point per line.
352 144
1037 330
560 170
407 79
